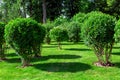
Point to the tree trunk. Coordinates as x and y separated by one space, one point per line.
25 61
37 50
48 40
44 11
31 7
2 55
99 54
59 46
24 9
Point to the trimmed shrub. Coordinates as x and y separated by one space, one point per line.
74 30
23 34
2 41
98 32
59 34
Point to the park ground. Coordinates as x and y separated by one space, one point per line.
73 62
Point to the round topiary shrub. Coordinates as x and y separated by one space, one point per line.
59 34
2 41
23 34
74 30
98 32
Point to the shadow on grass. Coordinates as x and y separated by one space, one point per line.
116 47
49 46
62 67
78 49
11 54
63 44
43 58
116 53
117 64
13 60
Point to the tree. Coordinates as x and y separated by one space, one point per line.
44 11
23 34
58 34
72 7
98 32
111 7
2 41
11 9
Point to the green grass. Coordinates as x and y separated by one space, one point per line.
73 62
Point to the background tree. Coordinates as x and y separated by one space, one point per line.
71 7
98 32
111 7
10 9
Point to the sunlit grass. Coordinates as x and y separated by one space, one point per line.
73 62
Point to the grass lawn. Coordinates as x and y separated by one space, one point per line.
73 62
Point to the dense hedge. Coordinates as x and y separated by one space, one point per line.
23 34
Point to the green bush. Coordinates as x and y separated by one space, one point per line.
59 34
74 30
79 17
117 31
98 32
49 25
23 34
60 20
2 41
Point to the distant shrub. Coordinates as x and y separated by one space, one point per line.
48 26
23 34
60 20
79 17
59 34
74 30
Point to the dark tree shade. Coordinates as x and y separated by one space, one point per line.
2 41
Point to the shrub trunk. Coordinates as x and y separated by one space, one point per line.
2 55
